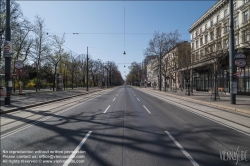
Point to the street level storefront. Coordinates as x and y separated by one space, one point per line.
203 78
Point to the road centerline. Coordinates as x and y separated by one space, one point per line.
138 99
146 109
106 109
77 149
182 149
114 99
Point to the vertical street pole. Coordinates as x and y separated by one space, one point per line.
110 76
160 74
7 57
231 53
87 71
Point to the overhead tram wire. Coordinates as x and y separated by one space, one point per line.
124 53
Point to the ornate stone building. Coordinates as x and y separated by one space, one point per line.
210 42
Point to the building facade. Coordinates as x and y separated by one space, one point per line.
145 62
210 45
174 63
153 72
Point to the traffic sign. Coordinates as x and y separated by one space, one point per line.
240 63
7 48
240 56
19 64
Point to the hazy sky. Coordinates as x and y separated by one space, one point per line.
100 24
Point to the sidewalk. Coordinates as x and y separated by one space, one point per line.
242 101
31 98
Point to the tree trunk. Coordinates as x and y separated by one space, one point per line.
54 80
72 80
165 83
37 75
215 81
215 86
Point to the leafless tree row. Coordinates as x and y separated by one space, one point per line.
44 55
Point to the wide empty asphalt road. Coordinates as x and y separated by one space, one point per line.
121 126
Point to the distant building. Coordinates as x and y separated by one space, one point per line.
152 72
144 66
210 38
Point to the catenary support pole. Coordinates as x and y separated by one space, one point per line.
231 53
7 58
87 71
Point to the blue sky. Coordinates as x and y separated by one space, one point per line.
100 24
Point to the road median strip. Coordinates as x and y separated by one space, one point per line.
45 102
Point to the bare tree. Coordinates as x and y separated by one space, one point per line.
215 55
41 46
81 60
159 45
23 43
184 64
15 13
72 66
165 69
56 55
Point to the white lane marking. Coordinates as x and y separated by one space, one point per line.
146 109
46 118
77 149
204 116
114 99
106 109
134 94
183 150
138 99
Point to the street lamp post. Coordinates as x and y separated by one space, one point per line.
87 71
8 57
231 53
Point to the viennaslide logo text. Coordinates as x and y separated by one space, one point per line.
233 155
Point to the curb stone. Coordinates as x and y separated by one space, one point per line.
209 104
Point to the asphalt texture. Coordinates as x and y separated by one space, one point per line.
118 127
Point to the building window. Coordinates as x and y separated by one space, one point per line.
205 26
226 43
200 30
226 27
196 33
212 35
245 16
235 22
193 57
246 36
196 56
236 40
206 51
201 42
245 1
197 44
201 53
205 39
235 6
218 32
192 36
193 46
218 18
211 23
225 12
